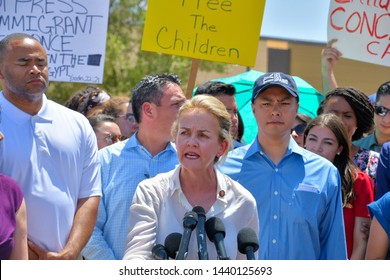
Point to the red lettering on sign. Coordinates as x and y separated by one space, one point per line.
331 18
343 1
369 48
387 51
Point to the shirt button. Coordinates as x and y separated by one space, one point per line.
276 193
275 217
273 241
276 170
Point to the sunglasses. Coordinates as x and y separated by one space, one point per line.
381 111
113 138
299 129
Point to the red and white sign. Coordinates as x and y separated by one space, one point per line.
362 29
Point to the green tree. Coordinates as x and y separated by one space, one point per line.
125 63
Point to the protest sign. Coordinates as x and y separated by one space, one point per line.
73 33
362 29
217 30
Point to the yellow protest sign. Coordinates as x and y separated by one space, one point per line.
217 30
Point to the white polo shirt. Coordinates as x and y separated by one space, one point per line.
53 157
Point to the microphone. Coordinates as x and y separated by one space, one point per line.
159 252
247 243
189 223
172 243
201 233
215 230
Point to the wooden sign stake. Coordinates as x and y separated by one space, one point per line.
192 77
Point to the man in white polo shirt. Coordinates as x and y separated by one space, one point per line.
49 150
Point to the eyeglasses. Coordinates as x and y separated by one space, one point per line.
129 117
381 111
299 129
113 138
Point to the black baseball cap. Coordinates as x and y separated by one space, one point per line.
272 79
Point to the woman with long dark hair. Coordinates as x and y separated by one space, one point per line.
327 136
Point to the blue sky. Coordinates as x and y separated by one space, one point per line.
298 20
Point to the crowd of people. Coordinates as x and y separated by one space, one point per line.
111 177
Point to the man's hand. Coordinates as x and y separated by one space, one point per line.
37 253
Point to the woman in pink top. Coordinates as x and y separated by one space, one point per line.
13 229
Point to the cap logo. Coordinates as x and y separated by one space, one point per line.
274 77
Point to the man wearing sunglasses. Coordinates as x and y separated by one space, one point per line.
377 140
381 133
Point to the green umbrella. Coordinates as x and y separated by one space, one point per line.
309 99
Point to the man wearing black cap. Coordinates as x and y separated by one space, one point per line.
298 193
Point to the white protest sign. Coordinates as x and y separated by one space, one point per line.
362 29
73 32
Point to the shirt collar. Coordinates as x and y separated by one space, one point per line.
133 142
373 142
255 147
222 188
19 116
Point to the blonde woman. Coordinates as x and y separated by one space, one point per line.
202 137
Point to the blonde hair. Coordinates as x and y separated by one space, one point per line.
213 106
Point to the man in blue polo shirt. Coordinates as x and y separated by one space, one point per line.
298 193
156 100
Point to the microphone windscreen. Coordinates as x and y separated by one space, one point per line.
159 252
172 243
199 210
213 226
190 220
247 237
